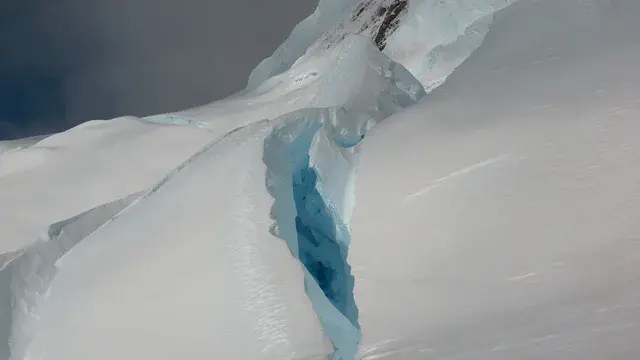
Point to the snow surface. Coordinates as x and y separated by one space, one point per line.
92 164
494 220
511 197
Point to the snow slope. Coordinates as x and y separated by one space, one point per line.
495 219
192 273
498 219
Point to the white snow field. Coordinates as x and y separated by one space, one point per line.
498 219
351 203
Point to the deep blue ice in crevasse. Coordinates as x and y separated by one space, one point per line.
310 158
313 228
321 244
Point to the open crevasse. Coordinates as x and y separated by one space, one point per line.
310 158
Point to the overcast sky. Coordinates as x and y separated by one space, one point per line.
67 61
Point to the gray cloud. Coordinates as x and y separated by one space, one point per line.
66 61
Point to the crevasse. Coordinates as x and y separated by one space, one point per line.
310 158
313 227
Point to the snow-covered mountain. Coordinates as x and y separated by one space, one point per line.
350 203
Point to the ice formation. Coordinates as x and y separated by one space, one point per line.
310 161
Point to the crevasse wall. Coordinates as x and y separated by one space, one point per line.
310 158
312 227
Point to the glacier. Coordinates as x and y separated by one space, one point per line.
400 180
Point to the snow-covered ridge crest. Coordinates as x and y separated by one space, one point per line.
25 274
408 31
310 157
327 14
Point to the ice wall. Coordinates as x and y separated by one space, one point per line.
312 227
310 158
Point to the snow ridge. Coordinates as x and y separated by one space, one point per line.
312 227
25 274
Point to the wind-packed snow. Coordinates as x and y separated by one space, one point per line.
498 219
310 216
92 164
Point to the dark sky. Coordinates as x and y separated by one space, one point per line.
67 61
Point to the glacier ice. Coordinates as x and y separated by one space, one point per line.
314 233
310 158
